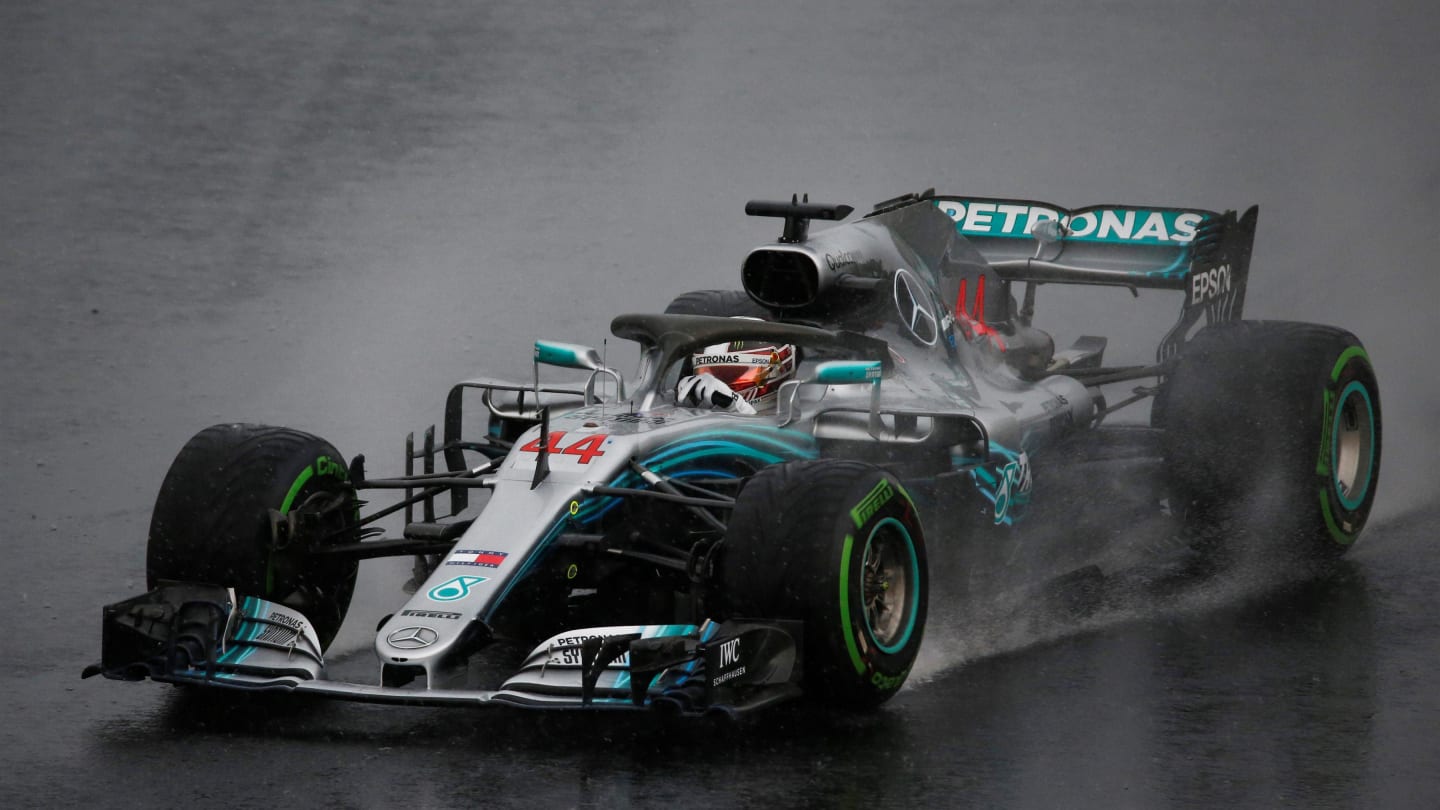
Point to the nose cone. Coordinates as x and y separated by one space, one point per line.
412 637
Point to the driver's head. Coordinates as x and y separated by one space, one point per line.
753 369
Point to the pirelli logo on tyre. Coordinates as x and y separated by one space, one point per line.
872 503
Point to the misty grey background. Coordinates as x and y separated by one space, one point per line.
321 214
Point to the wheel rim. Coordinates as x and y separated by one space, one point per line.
1352 450
890 585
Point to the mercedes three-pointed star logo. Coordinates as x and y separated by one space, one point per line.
910 300
412 638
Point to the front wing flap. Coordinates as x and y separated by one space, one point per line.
727 666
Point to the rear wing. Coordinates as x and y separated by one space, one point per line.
1202 253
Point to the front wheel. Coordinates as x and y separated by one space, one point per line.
1272 431
838 545
213 520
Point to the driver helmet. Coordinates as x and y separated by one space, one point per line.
753 369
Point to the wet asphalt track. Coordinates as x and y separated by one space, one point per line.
320 215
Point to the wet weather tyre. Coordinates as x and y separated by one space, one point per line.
1273 434
838 545
213 520
719 303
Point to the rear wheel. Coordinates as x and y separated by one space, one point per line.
719 303
213 520
1273 435
838 545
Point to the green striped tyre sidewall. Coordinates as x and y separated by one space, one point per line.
839 544
1348 463
211 523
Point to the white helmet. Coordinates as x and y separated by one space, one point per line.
752 369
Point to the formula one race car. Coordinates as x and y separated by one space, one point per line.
743 521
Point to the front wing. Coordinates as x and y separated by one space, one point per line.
209 636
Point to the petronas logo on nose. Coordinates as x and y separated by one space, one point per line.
455 589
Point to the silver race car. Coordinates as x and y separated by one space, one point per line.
744 520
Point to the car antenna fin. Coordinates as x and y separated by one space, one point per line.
796 226
542 458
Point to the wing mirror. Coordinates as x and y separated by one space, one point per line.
844 372
584 358
567 355
833 372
